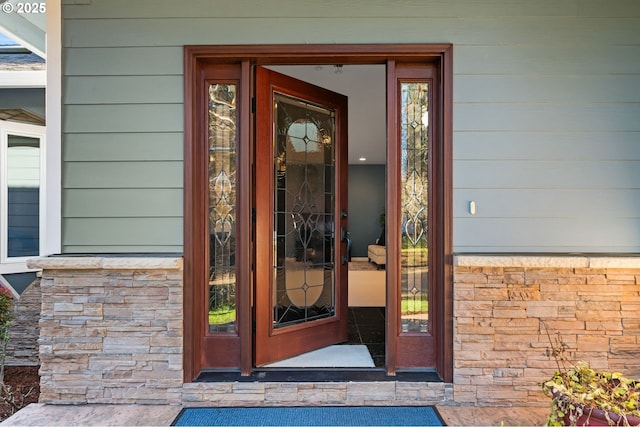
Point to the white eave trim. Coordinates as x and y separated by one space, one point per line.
26 30
23 79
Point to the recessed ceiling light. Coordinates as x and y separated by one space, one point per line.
363 159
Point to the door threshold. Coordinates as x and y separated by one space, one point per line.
318 375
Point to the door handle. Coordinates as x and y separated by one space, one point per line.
344 234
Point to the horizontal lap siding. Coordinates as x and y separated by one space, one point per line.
547 146
123 171
546 107
330 8
547 140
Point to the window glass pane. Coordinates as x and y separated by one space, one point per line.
222 207
23 204
414 201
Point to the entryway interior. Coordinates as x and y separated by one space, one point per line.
365 87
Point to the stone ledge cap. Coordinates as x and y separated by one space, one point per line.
615 262
534 261
106 263
547 261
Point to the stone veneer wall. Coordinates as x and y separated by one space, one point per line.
22 348
345 393
501 307
111 330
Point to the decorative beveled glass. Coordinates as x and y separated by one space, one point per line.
304 239
414 275
222 207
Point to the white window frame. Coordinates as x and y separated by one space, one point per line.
53 218
8 264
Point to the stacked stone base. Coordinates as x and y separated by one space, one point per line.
22 347
112 332
510 311
386 393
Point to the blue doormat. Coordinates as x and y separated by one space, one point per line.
311 416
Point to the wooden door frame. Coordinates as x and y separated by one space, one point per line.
195 248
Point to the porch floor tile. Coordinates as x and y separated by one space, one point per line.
38 414
493 416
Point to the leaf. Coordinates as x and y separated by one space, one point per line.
620 391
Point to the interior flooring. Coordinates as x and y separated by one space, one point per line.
366 326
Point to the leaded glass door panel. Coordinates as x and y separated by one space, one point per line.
301 198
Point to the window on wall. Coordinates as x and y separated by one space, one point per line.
22 194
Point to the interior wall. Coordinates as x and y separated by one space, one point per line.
366 203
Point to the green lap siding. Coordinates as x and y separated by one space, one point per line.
122 147
546 112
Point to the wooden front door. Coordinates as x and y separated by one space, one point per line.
301 218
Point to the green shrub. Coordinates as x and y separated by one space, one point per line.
580 392
581 388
